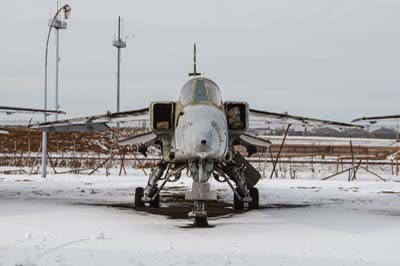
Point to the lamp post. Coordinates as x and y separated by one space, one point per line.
58 25
67 10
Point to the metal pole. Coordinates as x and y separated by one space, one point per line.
44 152
57 68
118 66
44 134
353 175
397 162
119 43
279 152
118 78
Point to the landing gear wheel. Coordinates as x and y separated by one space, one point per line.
238 204
156 202
138 197
200 222
255 199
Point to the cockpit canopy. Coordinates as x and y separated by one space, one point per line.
200 90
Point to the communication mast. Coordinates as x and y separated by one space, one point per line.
119 43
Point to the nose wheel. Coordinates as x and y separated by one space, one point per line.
199 213
200 222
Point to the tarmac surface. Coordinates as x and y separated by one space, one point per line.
173 206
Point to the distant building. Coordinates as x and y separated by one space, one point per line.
326 132
384 133
355 133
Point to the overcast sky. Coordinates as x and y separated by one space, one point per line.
334 59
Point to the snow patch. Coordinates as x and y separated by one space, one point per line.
28 236
24 263
99 235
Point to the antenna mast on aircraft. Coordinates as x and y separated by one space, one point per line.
194 63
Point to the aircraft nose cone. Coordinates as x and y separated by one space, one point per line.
203 143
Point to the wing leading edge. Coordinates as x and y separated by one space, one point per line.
21 110
251 140
93 123
142 139
293 119
374 119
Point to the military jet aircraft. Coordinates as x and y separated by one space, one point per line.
196 133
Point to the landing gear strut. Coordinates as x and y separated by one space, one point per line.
151 193
242 194
238 203
155 201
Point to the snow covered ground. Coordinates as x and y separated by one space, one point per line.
52 222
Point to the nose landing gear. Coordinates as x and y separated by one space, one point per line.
199 213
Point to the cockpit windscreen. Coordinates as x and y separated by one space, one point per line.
200 90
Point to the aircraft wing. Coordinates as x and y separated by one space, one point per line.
251 143
142 139
374 119
95 122
20 110
286 118
251 140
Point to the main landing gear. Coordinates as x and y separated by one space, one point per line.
239 201
151 193
241 177
139 202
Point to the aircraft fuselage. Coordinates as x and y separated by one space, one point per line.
201 133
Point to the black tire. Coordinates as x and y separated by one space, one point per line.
156 202
238 204
200 222
255 199
139 192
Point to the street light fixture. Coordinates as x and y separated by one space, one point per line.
67 11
